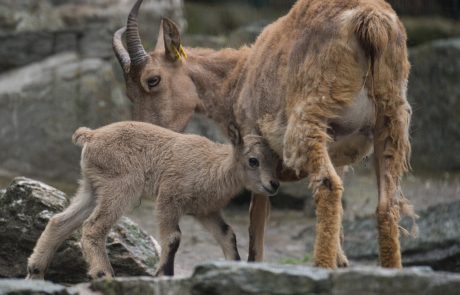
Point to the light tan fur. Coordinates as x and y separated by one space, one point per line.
187 174
324 85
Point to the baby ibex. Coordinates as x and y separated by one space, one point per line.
187 174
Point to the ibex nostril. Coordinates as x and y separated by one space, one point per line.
275 184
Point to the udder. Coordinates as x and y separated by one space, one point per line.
352 132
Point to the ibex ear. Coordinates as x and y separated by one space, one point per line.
160 40
234 134
169 39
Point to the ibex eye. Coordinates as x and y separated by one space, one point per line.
253 162
153 81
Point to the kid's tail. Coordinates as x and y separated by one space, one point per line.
82 136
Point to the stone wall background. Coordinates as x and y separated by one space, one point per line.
58 72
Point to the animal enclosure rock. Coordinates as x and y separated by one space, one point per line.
41 105
33 30
434 93
25 209
437 243
231 278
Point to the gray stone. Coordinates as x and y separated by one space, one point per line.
23 287
26 208
243 278
434 93
247 278
33 30
41 105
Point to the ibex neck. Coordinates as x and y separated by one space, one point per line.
216 75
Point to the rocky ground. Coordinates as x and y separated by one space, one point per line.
230 278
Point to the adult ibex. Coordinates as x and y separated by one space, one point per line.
323 84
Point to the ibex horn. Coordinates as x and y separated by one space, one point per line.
133 40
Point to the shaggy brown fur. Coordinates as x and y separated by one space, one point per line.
323 84
187 174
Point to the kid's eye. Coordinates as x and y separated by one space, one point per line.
253 162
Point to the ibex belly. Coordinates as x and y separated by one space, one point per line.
352 131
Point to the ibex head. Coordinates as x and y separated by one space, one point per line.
156 82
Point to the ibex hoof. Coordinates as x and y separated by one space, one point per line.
342 261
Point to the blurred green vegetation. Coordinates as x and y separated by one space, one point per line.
446 8
424 29
239 22
223 18
296 261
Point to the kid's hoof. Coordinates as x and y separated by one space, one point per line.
34 273
99 275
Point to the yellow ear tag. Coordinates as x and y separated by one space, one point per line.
180 53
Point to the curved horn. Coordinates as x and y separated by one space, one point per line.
133 40
120 51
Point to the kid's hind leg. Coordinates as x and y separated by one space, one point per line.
223 233
58 229
112 201
170 236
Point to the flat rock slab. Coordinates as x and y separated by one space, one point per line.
230 278
25 209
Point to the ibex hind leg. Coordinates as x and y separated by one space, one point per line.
392 151
58 229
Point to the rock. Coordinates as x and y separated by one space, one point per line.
33 30
434 93
228 278
242 278
41 105
22 287
437 244
26 208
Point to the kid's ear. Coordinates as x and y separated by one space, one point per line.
234 134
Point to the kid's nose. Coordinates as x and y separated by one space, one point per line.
275 184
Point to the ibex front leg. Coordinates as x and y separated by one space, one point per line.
305 150
259 212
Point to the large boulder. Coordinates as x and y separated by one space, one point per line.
33 30
434 92
437 243
232 278
25 209
42 104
